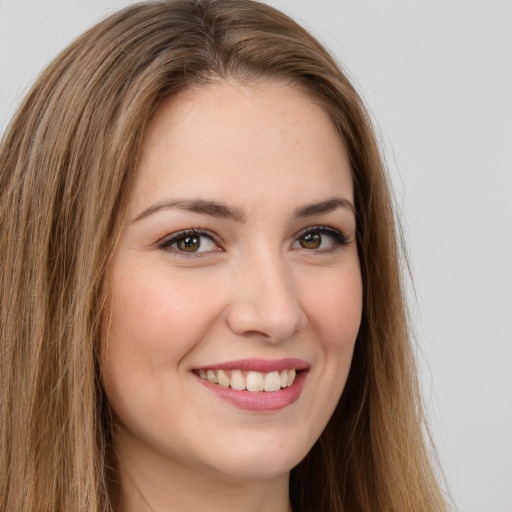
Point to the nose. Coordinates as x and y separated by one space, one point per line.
265 301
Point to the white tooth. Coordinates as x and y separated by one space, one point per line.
202 374
222 378
291 377
255 381
211 377
237 380
284 378
272 381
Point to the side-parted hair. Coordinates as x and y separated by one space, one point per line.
67 164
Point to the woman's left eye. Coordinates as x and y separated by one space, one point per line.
320 239
191 242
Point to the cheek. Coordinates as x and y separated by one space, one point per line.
151 329
158 316
334 318
336 310
156 320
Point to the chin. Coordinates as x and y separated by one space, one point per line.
262 460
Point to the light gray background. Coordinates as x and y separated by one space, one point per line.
437 77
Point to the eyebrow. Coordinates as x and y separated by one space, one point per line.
201 206
326 206
221 210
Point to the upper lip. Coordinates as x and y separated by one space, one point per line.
259 365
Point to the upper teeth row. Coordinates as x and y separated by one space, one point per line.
252 381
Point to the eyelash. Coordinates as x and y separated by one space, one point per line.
167 242
339 239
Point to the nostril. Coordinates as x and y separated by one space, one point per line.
267 305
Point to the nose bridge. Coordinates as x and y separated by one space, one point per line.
266 299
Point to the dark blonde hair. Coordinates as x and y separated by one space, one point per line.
67 164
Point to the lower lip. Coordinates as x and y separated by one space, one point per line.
259 401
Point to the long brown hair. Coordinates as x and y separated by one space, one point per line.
67 162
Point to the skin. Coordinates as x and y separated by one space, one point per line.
256 289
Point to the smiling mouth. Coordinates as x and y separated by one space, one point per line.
240 380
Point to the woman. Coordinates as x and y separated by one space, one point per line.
201 298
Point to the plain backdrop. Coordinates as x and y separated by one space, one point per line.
437 78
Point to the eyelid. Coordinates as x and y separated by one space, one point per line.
340 238
166 242
322 229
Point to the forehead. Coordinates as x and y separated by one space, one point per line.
237 141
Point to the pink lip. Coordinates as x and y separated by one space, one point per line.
260 401
259 365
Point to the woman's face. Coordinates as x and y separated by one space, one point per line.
237 268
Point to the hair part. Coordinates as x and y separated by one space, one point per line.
67 164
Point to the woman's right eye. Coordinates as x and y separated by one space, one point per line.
190 241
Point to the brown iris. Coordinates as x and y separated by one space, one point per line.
189 244
310 241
